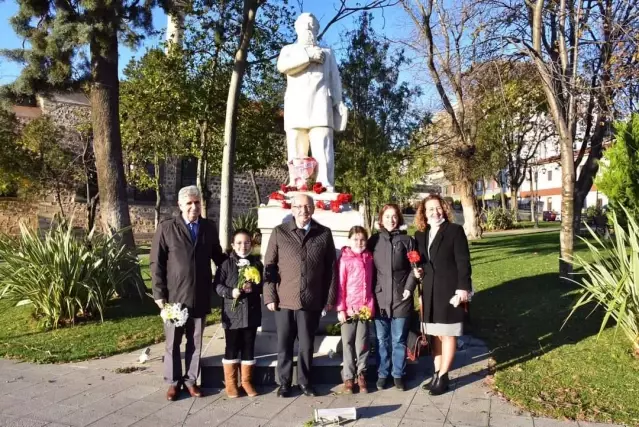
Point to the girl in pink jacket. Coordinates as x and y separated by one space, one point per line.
355 300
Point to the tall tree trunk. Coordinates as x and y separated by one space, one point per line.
157 171
114 208
514 206
58 198
256 188
502 196
174 28
533 199
472 225
201 180
230 124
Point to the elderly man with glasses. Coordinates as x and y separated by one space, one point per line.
300 281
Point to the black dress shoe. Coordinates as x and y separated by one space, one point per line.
399 384
440 386
284 391
307 390
432 382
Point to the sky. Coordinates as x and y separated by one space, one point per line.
390 22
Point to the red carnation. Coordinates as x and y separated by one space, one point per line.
335 206
285 205
283 188
276 196
320 205
344 198
414 258
317 188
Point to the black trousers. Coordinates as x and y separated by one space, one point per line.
240 341
291 324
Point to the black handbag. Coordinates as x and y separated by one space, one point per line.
416 341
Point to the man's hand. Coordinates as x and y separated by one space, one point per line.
160 303
247 287
418 272
271 306
341 316
405 295
235 293
463 295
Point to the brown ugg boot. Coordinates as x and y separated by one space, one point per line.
230 378
247 378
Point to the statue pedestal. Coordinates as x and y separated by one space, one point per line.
272 215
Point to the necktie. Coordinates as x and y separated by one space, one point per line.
301 232
193 232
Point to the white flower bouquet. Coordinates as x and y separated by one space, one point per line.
175 314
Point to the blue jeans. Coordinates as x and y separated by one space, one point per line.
391 344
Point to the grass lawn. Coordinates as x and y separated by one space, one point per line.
519 310
128 325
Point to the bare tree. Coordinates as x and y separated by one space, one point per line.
448 66
584 53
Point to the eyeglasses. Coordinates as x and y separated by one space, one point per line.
303 207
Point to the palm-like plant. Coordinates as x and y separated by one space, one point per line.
64 276
611 279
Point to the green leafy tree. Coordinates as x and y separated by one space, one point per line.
152 111
10 153
620 178
76 42
371 155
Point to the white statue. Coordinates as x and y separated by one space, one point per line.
313 106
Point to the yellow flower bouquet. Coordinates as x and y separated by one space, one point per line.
247 273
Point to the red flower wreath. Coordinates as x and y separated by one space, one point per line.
276 196
335 206
286 205
318 188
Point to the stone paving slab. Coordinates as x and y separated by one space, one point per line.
92 394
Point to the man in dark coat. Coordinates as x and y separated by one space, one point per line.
180 262
300 281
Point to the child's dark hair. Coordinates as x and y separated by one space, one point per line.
356 229
242 231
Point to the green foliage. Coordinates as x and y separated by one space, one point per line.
373 156
63 276
333 330
620 177
246 221
33 160
611 278
499 219
591 213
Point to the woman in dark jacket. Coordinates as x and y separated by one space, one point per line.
240 322
393 288
447 284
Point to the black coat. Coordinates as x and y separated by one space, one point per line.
447 270
248 313
393 272
180 270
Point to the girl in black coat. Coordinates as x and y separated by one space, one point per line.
393 288
447 284
240 323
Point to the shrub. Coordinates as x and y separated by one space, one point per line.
499 219
247 221
64 276
591 213
611 278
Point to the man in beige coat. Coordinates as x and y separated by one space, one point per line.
313 105
299 281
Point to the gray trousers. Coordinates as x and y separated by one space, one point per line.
355 348
172 360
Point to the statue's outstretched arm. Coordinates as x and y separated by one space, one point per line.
293 59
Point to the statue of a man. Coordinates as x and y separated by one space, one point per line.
313 106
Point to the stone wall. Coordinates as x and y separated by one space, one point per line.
41 212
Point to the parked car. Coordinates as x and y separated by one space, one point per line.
549 216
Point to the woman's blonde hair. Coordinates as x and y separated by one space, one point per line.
420 217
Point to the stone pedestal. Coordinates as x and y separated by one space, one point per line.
272 215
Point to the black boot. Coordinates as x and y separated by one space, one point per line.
432 382
440 386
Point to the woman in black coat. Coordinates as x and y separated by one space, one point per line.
240 323
393 286
447 283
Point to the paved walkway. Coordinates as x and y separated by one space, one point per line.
94 394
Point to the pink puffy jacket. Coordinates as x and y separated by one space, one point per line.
355 288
